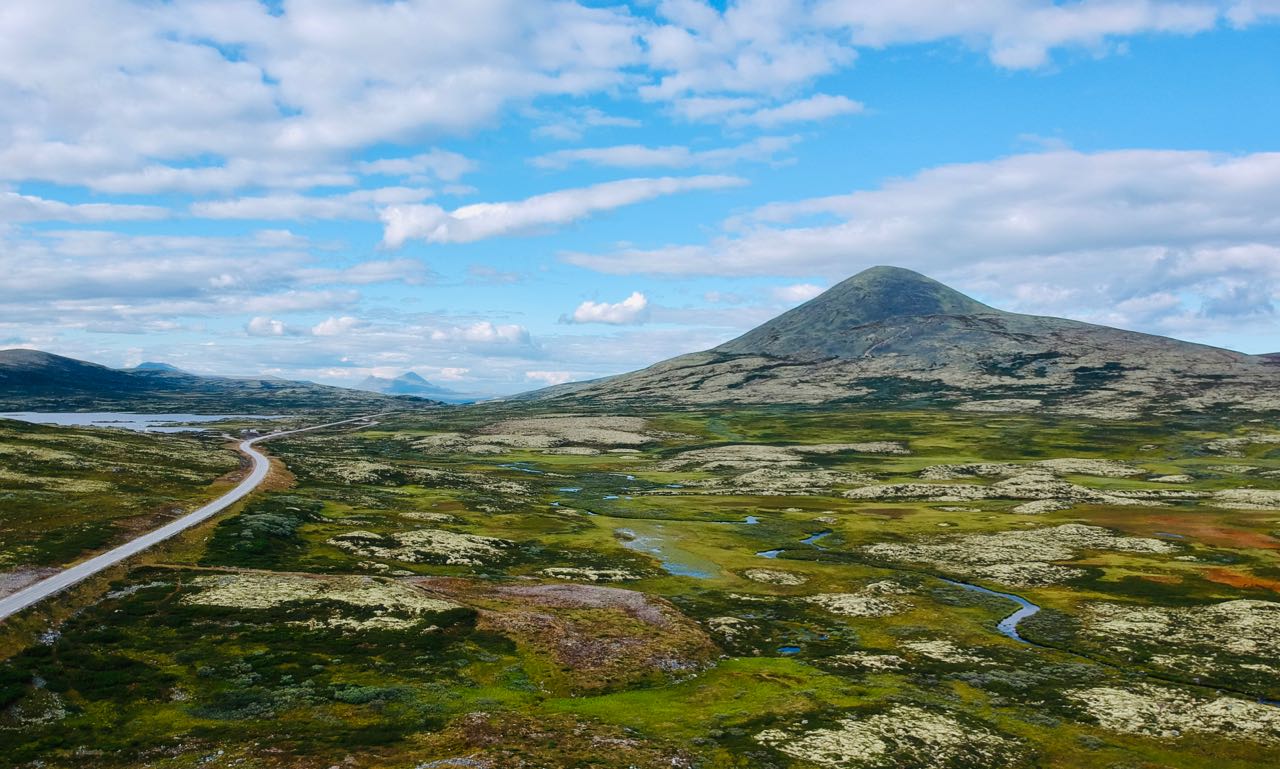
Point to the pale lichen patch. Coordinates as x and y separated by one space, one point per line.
424 546
1165 712
905 735
775 577
393 605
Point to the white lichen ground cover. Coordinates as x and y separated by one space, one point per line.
424 546
585 574
878 599
775 577
1023 558
1165 712
396 605
905 735
1241 627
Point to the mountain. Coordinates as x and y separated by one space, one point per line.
31 380
892 335
156 366
411 384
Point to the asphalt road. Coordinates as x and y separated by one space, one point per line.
67 577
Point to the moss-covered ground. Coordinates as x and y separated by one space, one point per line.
629 593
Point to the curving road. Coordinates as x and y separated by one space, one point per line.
82 571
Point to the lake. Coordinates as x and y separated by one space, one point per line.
150 423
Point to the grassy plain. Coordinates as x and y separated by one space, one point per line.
486 587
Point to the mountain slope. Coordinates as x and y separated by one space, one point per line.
31 380
889 334
410 383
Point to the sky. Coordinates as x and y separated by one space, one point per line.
501 195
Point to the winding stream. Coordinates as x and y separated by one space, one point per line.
1008 625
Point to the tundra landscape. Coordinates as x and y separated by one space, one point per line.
639 384
904 574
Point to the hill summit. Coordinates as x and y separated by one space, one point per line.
820 327
891 334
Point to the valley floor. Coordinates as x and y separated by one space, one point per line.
494 587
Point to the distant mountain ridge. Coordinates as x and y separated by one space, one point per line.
31 380
410 383
155 366
891 334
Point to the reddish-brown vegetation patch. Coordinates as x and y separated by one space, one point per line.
1241 580
601 638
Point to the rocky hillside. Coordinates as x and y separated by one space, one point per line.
31 380
889 334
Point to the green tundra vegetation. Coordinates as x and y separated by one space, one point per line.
66 492
501 586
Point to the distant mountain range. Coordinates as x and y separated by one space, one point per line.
890 334
31 380
412 384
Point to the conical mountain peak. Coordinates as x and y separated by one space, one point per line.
828 325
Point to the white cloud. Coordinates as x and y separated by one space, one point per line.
572 124
487 220
452 373
699 108
632 310
550 377
336 326
262 326
245 90
374 271
799 292
764 149
356 205
197 96
87 276
1111 226
437 163
15 207
813 108
484 332
753 46
1015 34
1247 12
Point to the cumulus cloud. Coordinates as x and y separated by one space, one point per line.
630 311
487 220
1016 34
550 377
356 205
434 164
1109 225
197 97
263 326
817 107
15 207
92 276
153 85
336 326
798 292
484 332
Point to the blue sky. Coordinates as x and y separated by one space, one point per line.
503 194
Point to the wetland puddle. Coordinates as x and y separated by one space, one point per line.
811 540
148 423
655 539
